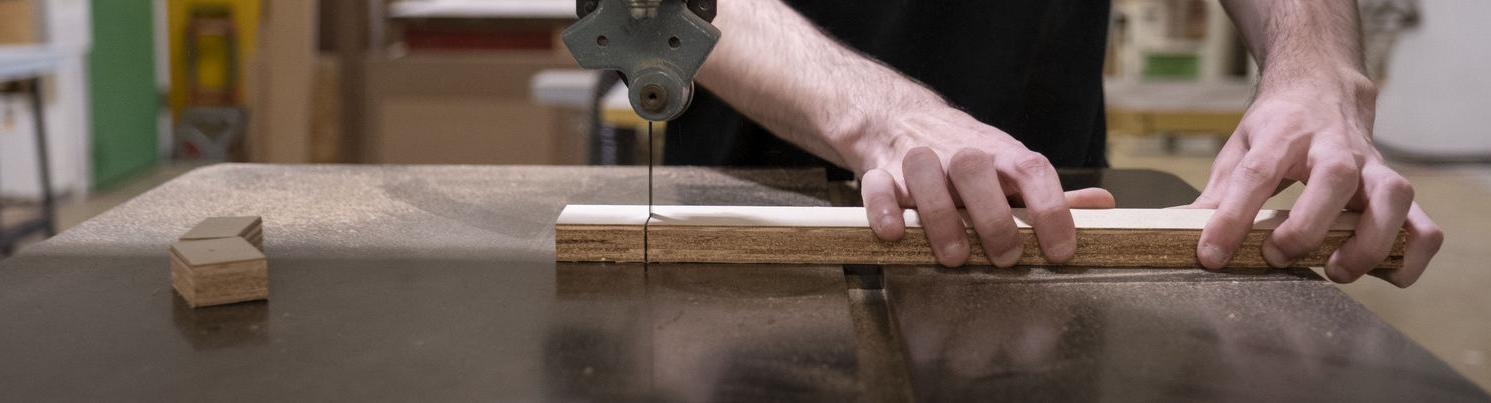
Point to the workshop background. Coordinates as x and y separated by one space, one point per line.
138 92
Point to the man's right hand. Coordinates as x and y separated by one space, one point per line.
911 149
936 160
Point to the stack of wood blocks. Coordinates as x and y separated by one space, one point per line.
221 261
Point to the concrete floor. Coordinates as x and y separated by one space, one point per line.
77 211
74 211
1446 311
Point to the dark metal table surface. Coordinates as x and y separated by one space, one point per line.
438 283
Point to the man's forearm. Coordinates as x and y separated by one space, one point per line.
775 66
1301 39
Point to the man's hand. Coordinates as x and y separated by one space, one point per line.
1316 131
937 159
1311 122
910 147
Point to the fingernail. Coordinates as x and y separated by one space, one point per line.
1009 257
1336 273
1275 257
887 222
1065 251
1213 257
953 249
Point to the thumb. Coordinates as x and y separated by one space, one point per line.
1090 198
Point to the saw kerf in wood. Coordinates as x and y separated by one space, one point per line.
842 235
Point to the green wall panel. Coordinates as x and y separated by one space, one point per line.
125 101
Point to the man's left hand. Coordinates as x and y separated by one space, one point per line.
1316 131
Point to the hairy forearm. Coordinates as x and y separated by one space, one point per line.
1295 39
777 68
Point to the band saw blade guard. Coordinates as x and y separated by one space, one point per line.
657 45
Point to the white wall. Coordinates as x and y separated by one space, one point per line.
1437 98
164 140
67 28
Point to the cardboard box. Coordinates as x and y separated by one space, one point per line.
463 109
17 22
280 119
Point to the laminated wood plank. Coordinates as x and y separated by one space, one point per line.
841 235
601 234
219 271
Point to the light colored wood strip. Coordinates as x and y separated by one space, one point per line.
854 217
828 235
591 214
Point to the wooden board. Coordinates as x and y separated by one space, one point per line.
219 271
281 129
600 234
841 235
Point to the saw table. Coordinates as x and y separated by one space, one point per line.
439 283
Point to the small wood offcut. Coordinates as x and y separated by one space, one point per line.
249 228
842 235
221 261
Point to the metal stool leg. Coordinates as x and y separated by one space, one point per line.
4 238
48 203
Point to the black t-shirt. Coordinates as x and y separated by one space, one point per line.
1030 67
